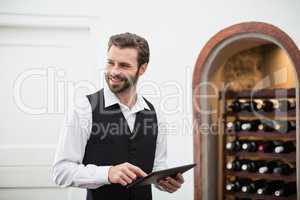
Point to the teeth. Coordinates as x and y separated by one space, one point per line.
115 79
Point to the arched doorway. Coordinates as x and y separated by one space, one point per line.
210 77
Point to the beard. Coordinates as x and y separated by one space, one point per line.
125 83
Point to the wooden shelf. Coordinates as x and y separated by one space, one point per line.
264 93
279 93
264 156
257 196
263 134
272 177
273 115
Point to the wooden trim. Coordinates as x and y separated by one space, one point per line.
243 28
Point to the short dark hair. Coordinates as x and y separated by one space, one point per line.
130 40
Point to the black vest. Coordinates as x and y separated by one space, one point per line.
112 143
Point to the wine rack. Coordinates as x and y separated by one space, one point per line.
259 145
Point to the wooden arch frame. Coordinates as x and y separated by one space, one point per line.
236 30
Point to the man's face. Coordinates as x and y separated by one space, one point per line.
122 70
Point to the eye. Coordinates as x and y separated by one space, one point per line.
110 62
124 65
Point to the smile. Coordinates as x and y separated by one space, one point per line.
115 80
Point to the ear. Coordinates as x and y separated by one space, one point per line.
143 68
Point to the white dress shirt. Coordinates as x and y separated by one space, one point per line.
68 169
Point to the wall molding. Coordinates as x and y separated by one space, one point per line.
24 155
48 20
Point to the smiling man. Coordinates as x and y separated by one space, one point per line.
115 136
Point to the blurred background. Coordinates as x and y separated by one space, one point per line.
51 51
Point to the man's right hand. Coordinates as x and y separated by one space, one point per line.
124 173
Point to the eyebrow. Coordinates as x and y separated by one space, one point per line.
125 63
121 63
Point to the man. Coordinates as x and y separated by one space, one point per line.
114 136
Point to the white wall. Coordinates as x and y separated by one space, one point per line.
71 36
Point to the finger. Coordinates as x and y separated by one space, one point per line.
170 186
137 170
168 189
180 178
161 182
173 182
122 182
129 173
125 178
167 186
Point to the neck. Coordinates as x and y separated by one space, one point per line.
128 97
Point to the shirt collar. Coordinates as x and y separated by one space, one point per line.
110 99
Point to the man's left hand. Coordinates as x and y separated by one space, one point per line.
172 184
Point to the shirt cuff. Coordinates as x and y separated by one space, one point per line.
102 174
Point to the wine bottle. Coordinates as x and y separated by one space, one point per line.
234 165
268 167
233 186
285 147
286 105
284 126
267 189
257 104
286 189
251 166
234 126
266 125
283 169
253 186
249 146
254 105
230 126
266 147
233 145
270 105
250 125
236 185
235 106
246 106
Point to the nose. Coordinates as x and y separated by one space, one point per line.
115 70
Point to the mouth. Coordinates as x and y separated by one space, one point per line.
114 80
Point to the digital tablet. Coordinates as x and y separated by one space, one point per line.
154 177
